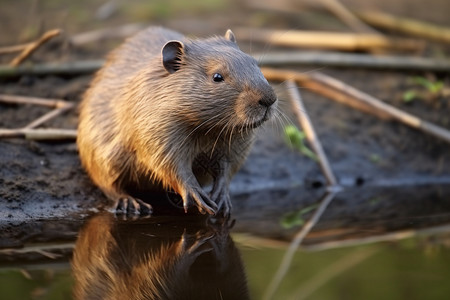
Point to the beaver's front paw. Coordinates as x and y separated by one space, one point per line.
222 198
128 205
201 199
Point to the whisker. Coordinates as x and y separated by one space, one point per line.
278 122
197 127
283 117
217 139
225 117
229 140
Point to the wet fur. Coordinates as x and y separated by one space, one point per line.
145 127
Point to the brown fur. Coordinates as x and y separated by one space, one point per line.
155 118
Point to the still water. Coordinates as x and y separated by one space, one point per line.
383 244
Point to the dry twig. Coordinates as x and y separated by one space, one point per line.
408 26
296 7
319 82
14 99
329 40
346 16
69 68
12 49
40 134
107 33
31 47
60 106
343 98
48 116
305 122
352 60
376 104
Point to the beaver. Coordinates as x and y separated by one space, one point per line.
174 113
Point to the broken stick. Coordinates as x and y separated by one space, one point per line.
48 116
31 47
12 49
346 16
318 82
329 40
28 131
40 134
67 68
305 122
106 33
15 99
351 60
407 26
390 110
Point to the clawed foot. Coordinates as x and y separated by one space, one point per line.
132 206
222 198
201 199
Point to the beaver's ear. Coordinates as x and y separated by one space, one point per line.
229 35
171 55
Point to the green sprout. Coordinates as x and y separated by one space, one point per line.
296 218
295 138
433 87
409 96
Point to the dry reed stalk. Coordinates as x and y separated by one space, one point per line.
329 40
318 83
15 99
306 124
31 47
346 16
40 134
407 26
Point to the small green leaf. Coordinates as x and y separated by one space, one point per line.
433 87
409 96
437 87
422 81
295 138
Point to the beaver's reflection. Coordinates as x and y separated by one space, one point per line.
156 260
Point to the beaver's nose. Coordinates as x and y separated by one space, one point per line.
267 101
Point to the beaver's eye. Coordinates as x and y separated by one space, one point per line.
217 77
